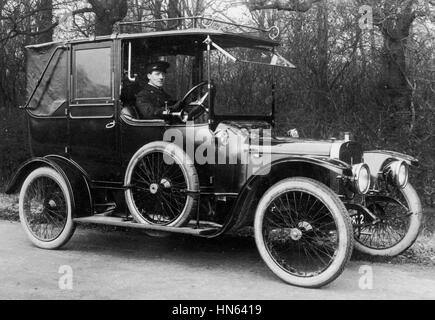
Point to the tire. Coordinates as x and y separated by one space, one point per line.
310 245
158 176
399 225
45 209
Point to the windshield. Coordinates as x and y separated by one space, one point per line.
244 79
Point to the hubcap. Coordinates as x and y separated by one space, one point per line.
39 209
154 188
296 234
52 204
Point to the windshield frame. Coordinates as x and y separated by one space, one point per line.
214 118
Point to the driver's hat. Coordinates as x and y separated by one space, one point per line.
157 66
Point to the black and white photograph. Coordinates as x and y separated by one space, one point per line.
217 155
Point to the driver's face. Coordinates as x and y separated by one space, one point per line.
157 78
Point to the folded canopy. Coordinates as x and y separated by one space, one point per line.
52 91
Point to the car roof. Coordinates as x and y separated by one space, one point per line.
238 39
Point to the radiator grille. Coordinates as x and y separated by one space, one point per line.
351 153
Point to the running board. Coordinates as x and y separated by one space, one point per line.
119 222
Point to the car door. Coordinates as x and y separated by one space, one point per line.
92 113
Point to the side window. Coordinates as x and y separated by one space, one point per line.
92 72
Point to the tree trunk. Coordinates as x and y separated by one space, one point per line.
44 21
173 12
395 82
322 47
107 13
157 14
322 95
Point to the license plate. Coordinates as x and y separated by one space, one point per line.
358 219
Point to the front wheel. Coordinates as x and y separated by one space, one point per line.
45 209
400 217
303 232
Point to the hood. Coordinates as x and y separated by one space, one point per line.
325 149
261 140
300 146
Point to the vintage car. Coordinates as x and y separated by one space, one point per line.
212 167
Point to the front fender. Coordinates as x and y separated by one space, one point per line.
336 166
324 170
378 159
75 178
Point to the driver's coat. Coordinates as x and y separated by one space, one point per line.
151 101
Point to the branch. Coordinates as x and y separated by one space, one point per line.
37 33
287 5
346 65
79 28
83 10
14 32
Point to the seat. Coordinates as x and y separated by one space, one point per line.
130 112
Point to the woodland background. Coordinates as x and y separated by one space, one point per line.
378 83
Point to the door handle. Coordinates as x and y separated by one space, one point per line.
111 125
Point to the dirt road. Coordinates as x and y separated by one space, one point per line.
131 265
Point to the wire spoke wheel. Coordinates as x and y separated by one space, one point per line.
300 234
159 193
399 213
160 182
303 232
45 209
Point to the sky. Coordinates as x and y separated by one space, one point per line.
237 11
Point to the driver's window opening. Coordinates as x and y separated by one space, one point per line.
243 74
184 72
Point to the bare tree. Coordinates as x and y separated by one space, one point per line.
26 19
107 13
21 23
395 20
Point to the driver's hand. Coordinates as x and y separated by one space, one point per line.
173 105
194 112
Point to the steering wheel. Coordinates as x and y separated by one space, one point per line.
197 107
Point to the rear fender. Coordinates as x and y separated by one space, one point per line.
24 170
76 180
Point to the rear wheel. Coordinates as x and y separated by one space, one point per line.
400 216
303 232
45 209
162 184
